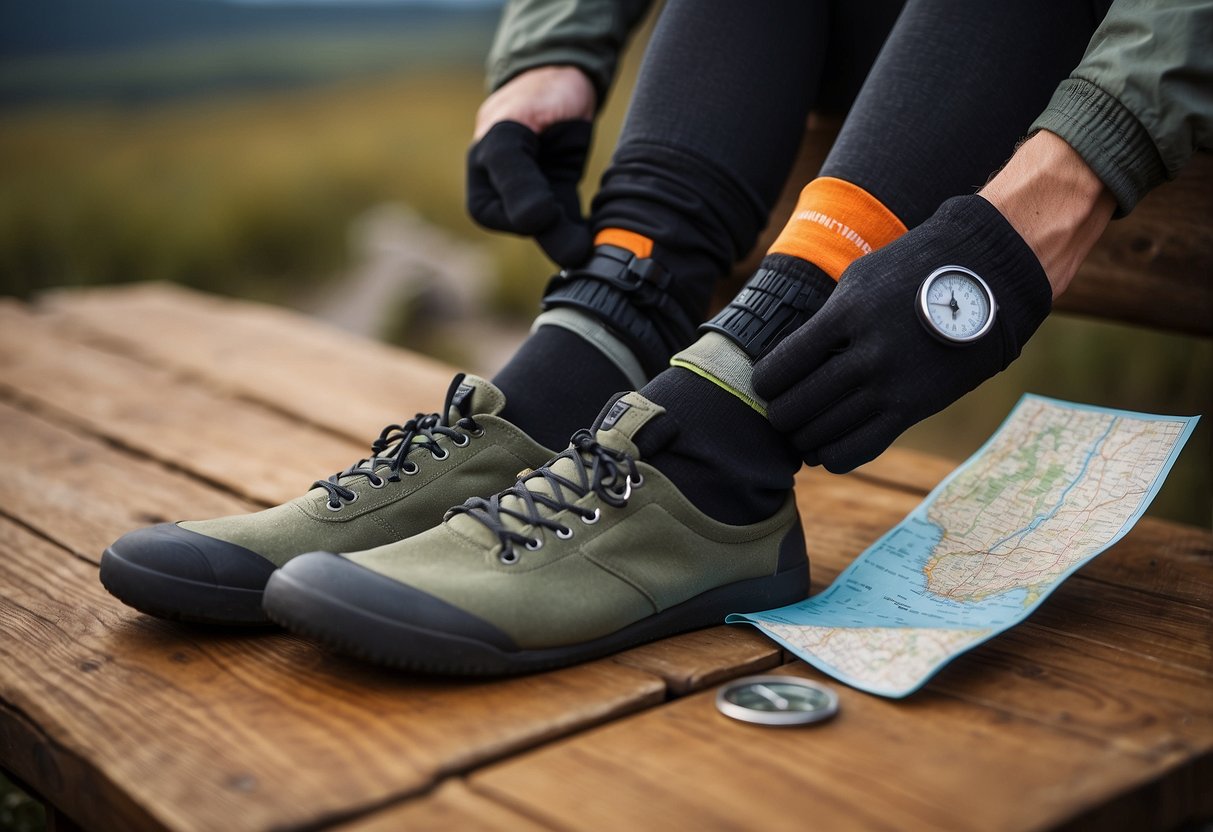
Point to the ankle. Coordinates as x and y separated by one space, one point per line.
724 456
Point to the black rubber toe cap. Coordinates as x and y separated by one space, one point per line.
176 552
339 590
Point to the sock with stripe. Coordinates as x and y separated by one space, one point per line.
720 450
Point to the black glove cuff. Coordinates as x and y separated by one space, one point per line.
781 295
989 245
631 296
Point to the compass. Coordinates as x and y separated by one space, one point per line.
776 700
956 305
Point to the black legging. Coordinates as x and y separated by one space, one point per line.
725 89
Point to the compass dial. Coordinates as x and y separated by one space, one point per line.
956 305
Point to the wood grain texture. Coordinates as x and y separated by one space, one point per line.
243 447
693 661
451 806
1153 267
207 729
281 359
930 762
83 493
1094 712
1150 268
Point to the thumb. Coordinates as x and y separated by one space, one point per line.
805 350
508 154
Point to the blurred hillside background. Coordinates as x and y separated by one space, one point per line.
311 154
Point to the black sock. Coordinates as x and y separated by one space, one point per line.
555 384
723 455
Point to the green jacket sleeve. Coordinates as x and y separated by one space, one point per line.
1141 102
588 34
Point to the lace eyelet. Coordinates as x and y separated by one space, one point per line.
332 507
353 499
639 481
478 432
534 544
445 454
508 556
410 468
564 533
594 518
466 440
376 482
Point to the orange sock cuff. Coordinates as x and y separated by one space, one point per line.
836 223
638 244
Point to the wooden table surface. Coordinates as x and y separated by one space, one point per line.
128 406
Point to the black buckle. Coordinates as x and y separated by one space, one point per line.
769 306
629 295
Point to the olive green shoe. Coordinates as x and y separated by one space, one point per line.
215 571
593 552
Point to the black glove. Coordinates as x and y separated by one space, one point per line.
527 184
864 368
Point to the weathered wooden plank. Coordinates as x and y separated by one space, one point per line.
1162 251
693 661
245 448
311 371
83 494
449 807
903 468
238 730
1162 711
931 762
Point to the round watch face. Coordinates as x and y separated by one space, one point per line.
956 305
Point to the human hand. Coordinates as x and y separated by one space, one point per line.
532 139
865 367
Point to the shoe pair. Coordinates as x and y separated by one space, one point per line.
589 552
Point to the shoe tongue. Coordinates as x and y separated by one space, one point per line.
622 419
615 428
472 396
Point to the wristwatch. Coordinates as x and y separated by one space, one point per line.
956 305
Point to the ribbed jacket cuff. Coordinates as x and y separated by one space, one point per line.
1109 138
508 68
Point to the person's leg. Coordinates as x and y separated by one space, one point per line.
711 133
953 89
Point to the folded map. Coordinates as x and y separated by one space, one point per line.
1056 485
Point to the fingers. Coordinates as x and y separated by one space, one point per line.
860 445
837 420
509 154
803 352
563 148
568 242
525 183
483 203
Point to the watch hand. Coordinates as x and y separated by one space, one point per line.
933 303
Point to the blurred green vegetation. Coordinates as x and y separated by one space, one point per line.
251 193
18 811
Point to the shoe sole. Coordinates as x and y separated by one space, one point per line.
366 635
179 599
